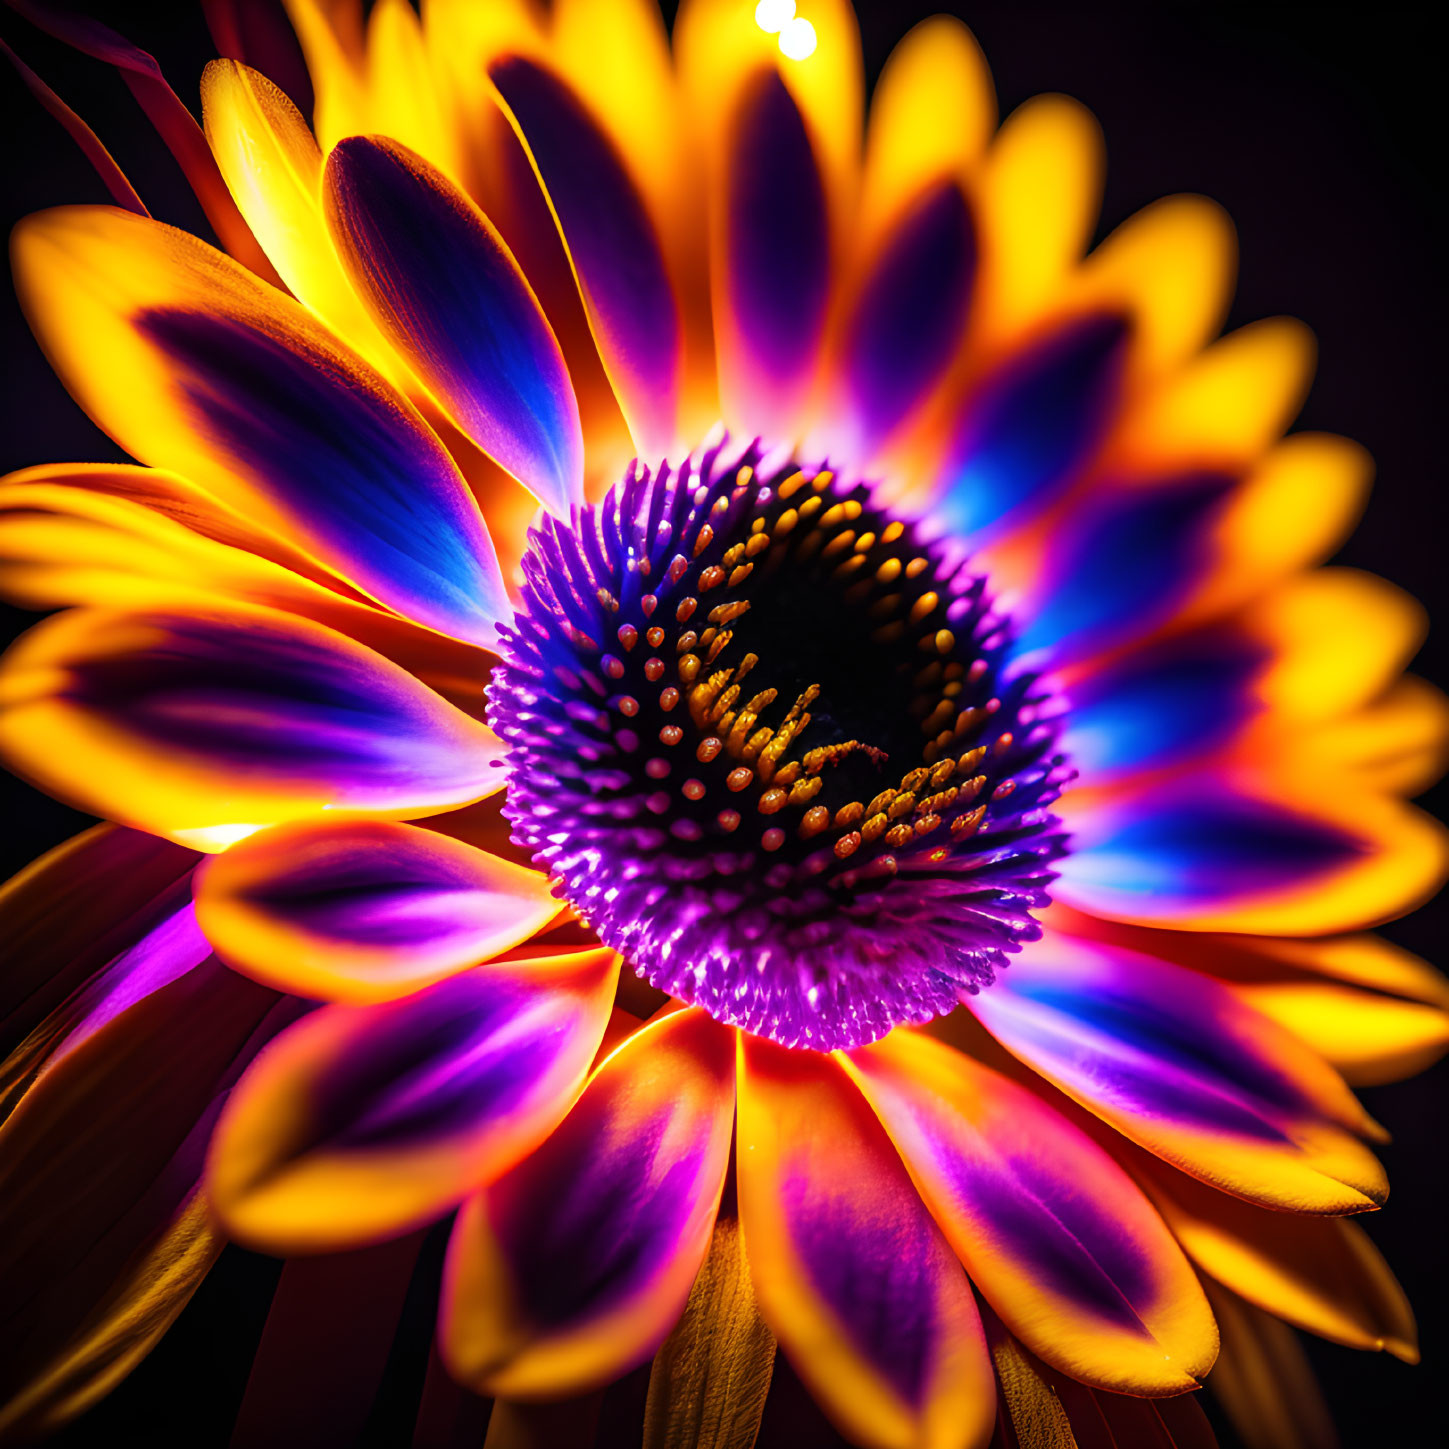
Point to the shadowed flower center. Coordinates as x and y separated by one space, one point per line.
767 740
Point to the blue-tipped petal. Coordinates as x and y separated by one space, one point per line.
1163 705
1029 430
446 292
1120 569
194 365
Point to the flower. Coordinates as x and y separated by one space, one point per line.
1001 920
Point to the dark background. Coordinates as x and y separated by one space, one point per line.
1322 132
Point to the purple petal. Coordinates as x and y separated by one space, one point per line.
910 313
447 293
366 1120
572 1268
611 242
777 259
1032 427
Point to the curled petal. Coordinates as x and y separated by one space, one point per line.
1176 1063
573 1268
1264 1381
440 282
852 1275
1058 1238
171 947
363 1121
206 721
191 363
103 1237
366 910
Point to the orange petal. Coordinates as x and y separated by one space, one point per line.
852 1275
205 721
364 910
192 364
1056 1236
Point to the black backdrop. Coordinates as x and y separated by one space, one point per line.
1319 129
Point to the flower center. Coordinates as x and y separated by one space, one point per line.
769 743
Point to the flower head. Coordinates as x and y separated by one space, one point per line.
781 713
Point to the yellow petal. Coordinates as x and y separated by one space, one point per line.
1225 407
273 168
1039 191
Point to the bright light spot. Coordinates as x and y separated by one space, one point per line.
774 15
212 838
797 39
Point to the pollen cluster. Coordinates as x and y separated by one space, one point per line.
767 742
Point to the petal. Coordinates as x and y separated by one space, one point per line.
1120 565
440 283
1319 646
67 914
404 100
1322 1274
1340 638
1264 1380
191 363
272 166
615 53
114 1322
100 1162
121 536
207 721
1227 406
771 262
612 246
364 1121
852 1275
1369 1008
572 1269
720 49
170 948
1292 510
1399 745
931 115
1033 425
1158 706
710 1378
1171 268
1056 1236
331 37
364 910
906 322
1176 1063
1040 191
1216 853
